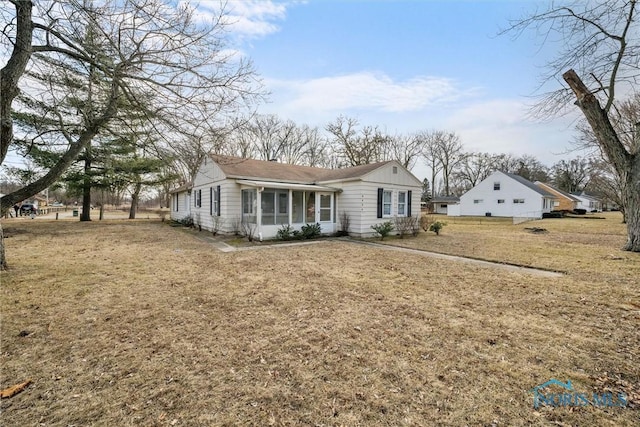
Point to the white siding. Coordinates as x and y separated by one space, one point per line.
488 199
183 210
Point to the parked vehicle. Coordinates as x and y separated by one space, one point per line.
27 208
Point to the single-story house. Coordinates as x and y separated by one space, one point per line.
505 195
588 202
440 204
564 201
228 191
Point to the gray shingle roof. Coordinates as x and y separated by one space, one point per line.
235 167
530 185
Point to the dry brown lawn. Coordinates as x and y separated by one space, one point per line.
123 323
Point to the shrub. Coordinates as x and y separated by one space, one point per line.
383 229
286 232
310 231
345 223
249 230
579 211
436 226
405 225
425 222
216 224
187 221
236 225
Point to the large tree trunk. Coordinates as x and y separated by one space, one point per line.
3 259
135 196
86 187
626 164
11 73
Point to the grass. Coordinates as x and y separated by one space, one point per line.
138 323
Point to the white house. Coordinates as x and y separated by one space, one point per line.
589 203
505 195
229 190
441 204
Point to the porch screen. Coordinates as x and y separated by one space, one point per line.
275 206
297 207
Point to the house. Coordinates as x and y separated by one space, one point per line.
181 202
440 204
228 191
588 202
505 195
564 201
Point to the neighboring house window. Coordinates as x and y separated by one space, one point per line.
402 203
386 203
477 201
443 206
556 203
395 169
500 201
518 201
249 206
496 185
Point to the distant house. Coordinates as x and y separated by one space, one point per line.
504 195
564 201
440 204
268 195
588 202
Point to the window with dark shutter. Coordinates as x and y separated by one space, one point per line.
380 192
218 199
409 203
211 201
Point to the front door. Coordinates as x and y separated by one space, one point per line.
325 212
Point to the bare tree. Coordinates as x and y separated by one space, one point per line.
145 45
357 147
449 154
474 168
429 143
573 175
405 149
599 41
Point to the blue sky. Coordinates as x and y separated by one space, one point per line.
404 66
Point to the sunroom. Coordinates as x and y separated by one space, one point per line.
270 205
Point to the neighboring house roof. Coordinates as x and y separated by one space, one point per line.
530 185
235 167
445 199
557 190
587 196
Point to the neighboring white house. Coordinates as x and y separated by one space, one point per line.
229 190
589 203
441 204
505 195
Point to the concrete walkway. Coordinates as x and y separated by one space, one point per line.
507 267
223 247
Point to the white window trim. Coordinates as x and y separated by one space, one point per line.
390 204
404 204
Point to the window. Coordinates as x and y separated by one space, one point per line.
386 203
297 207
268 206
198 198
477 201
500 201
177 201
282 209
516 201
249 206
311 207
214 202
496 185
443 206
402 203
395 169
556 203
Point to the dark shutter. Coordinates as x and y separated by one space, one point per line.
219 200
409 203
380 191
211 201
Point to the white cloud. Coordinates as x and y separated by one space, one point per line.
247 18
364 91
